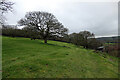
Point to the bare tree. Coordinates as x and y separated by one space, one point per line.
45 23
5 6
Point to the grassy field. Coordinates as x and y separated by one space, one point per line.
25 58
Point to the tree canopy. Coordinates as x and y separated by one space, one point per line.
45 23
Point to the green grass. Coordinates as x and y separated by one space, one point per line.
25 58
110 44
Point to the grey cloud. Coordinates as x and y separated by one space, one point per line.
100 18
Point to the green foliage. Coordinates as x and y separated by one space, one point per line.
14 32
77 39
94 43
85 39
25 58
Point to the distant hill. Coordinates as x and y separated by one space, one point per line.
109 39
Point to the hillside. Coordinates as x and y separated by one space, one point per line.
25 58
109 39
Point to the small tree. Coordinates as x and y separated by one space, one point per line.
76 39
29 32
86 36
93 43
85 39
45 23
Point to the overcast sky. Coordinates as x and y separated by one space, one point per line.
98 17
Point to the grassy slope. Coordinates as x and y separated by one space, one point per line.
25 58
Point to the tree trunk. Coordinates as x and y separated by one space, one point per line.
45 40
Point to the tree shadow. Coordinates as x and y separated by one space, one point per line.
57 45
40 42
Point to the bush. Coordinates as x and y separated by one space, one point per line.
94 43
113 50
14 32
